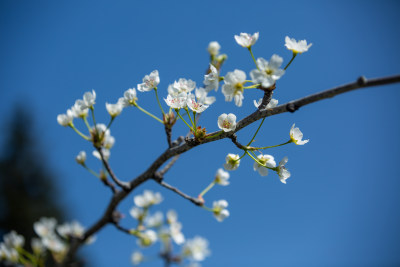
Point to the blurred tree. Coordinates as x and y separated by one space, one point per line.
27 190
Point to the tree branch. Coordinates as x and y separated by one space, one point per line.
195 201
291 106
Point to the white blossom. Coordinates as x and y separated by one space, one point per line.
222 177
45 226
74 229
114 109
267 72
81 158
219 209
149 82
147 238
211 80
201 95
233 87
147 199
283 173
195 106
172 217
14 240
106 154
65 119
8 253
89 99
37 246
296 136
137 213
181 86
226 122
232 162
213 48
196 249
267 160
137 258
155 220
176 234
296 47
129 98
54 244
273 103
176 101
246 40
79 109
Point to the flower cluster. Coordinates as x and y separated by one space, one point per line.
52 237
152 227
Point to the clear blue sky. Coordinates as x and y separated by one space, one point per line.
341 205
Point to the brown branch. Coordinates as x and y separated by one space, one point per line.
123 185
195 201
190 143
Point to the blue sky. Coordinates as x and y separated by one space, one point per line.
339 208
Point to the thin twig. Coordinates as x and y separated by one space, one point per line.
123 185
195 201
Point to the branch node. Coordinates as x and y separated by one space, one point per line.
291 107
362 81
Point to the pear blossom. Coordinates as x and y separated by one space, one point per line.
181 86
89 99
137 258
14 240
129 98
296 47
37 246
147 199
65 119
283 173
201 95
176 234
273 103
296 136
106 154
233 87
213 48
147 238
221 177
8 253
211 80
267 160
196 249
150 82
172 217
176 101
74 229
195 106
155 220
232 162
45 226
114 109
137 213
219 209
267 72
54 244
226 122
81 158
79 109
246 40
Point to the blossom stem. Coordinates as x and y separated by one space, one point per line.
294 55
252 86
93 117
91 171
254 136
111 121
257 148
251 53
158 100
78 132
256 160
177 112
207 189
190 118
148 113
207 208
86 122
